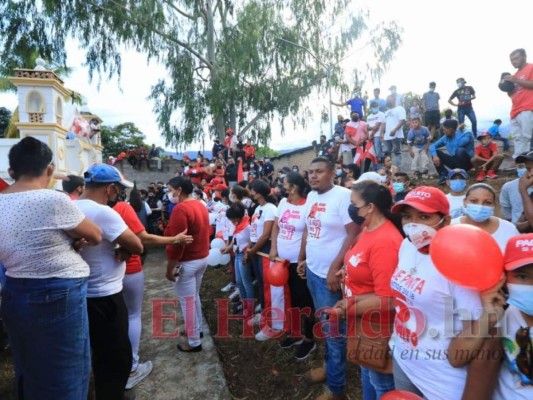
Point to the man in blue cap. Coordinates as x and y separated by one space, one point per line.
108 316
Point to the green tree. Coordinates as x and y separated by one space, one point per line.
120 138
5 117
230 63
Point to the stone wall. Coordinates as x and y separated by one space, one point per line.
301 157
143 177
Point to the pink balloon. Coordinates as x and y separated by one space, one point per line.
400 395
467 256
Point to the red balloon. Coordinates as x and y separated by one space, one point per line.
278 273
467 256
400 395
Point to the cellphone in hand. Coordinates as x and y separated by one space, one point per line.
178 270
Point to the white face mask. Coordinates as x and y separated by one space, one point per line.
419 234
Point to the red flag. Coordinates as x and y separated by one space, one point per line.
240 175
3 184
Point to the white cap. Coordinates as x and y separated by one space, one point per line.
370 176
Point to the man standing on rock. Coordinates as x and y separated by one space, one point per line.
522 99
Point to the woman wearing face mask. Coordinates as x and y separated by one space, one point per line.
479 203
439 327
516 379
191 216
369 265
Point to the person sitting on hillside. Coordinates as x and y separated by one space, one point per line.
153 154
132 157
324 148
460 147
143 158
486 158
494 131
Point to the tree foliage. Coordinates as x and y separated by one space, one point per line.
5 117
230 63
122 137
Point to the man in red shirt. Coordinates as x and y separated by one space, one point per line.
522 99
249 151
195 172
486 159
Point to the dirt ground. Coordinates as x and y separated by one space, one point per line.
253 370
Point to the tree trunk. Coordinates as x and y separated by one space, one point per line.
233 115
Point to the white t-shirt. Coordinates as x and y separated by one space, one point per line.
33 242
241 239
291 224
423 326
219 209
326 217
456 205
261 215
106 273
392 119
505 231
513 385
373 119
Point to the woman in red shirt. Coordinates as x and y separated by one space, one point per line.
188 215
369 264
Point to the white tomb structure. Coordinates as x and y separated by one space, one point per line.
43 105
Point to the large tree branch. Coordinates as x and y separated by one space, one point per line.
172 5
156 31
259 115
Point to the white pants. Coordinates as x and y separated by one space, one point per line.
420 161
522 132
188 291
133 291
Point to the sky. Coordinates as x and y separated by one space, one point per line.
441 42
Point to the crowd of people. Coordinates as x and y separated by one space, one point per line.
356 243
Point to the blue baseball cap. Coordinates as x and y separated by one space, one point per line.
457 171
103 173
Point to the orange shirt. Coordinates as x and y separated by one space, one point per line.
522 98
131 219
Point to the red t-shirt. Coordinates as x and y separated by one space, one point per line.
370 264
192 216
250 151
131 219
522 98
196 174
486 152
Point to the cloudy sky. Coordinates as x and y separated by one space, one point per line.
441 42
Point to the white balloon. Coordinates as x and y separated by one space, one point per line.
213 259
212 218
217 243
225 259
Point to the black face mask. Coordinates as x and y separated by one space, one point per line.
353 211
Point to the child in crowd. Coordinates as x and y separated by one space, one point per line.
494 131
457 182
418 140
486 159
516 377
401 185
414 110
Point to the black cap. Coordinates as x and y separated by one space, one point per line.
450 123
522 158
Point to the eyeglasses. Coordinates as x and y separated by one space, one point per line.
524 359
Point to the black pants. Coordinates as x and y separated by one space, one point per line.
460 160
110 344
301 298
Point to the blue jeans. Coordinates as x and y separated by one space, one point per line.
377 148
393 146
335 345
505 141
46 321
375 384
467 111
243 276
257 263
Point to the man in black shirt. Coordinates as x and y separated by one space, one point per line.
464 95
231 172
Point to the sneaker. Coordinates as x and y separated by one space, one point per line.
142 371
184 334
234 295
258 308
230 286
305 350
267 333
288 342
491 174
255 320
236 308
481 176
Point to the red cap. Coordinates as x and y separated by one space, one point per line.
186 157
426 199
229 130
518 252
220 187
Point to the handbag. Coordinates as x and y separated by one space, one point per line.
368 345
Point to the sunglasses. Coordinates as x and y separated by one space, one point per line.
524 359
